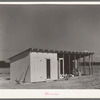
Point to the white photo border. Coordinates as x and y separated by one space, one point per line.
41 93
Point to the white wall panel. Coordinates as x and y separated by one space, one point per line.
38 66
18 70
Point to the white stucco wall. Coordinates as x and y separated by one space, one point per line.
38 66
18 68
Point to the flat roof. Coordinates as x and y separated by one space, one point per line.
50 51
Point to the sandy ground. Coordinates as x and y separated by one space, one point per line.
84 82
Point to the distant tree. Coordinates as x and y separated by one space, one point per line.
4 64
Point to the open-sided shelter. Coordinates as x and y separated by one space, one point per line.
35 65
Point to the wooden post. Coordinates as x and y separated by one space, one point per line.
84 65
74 64
69 63
79 66
25 74
63 65
59 67
92 63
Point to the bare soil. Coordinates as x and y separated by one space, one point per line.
83 82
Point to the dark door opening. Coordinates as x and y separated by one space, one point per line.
48 68
61 67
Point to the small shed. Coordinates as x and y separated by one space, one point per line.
35 65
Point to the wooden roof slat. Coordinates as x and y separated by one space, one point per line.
54 51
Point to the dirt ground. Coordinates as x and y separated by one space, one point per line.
83 82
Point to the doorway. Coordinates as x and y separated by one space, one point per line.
48 68
61 67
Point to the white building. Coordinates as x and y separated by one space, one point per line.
34 65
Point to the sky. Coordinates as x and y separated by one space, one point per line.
60 27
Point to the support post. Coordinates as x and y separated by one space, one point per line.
84 65
59 67
74 59
74 64
69 62
92 63
79 65
63 65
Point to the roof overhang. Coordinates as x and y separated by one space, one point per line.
26 52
